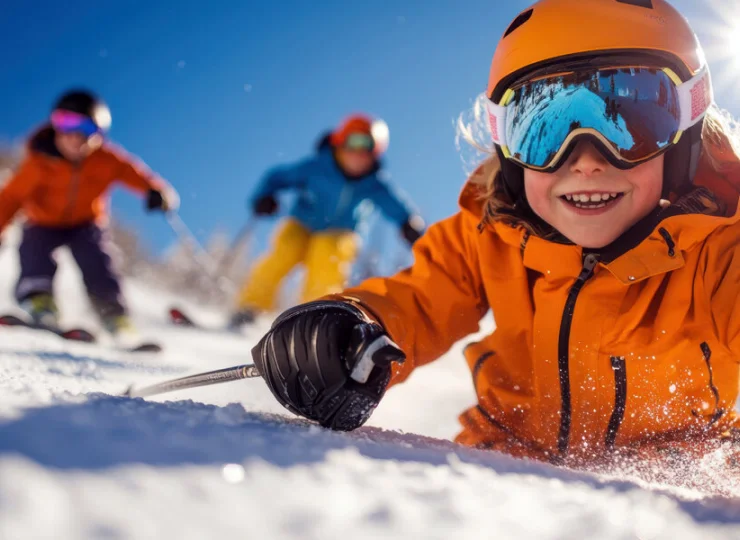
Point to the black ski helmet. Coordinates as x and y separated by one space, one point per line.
88 104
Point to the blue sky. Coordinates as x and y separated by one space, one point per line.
212 94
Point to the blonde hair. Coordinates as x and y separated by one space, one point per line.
720 146
721 134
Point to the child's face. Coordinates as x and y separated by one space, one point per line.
560 198
74 146
355 162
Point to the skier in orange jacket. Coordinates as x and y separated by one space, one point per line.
61 189
601 233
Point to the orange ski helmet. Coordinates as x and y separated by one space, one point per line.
360 124
599 33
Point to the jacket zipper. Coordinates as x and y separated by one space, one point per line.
73 191
620 399
589 263
718 411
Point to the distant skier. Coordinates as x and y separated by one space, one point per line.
612 270
332 186
61 187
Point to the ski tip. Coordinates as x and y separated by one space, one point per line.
128 391
78 334
146 347
179 318
12 320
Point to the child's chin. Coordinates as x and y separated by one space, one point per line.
592 239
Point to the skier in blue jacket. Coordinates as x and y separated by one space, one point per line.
333 187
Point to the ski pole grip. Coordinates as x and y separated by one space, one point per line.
380 352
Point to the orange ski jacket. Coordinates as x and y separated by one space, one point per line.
54 192
591 352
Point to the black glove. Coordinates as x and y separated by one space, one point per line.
328 362
265 206
155 201
412 229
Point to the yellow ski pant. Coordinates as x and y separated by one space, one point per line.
327 256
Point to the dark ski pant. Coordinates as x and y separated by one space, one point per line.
89 246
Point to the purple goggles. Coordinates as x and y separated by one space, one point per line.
71 122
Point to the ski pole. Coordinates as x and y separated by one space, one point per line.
244 233
182 230
360 373
246 371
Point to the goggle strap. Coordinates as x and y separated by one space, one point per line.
497 122
695 97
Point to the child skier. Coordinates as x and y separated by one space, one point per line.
332 187
60 187
602 234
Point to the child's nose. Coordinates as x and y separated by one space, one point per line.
586 160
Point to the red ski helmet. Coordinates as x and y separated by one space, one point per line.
361 132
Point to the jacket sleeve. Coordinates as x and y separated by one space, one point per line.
434 303
138 177
721 271
392 203
135 174
16 190
284 177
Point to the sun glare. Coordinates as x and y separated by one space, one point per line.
720 33
732 38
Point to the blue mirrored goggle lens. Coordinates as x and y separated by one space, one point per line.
635 109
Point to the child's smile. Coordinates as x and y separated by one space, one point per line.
590 201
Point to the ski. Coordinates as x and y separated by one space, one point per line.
76 334
179 318
72 334
148 346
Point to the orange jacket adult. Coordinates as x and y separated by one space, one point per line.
54 192
587 356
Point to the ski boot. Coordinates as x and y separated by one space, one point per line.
122 330
126 337
42 310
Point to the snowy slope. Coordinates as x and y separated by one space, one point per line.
76 461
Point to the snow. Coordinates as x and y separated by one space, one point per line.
79 461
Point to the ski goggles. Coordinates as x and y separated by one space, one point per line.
359 142
632 114
72 122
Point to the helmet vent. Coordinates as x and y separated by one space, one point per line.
640 3
520 20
